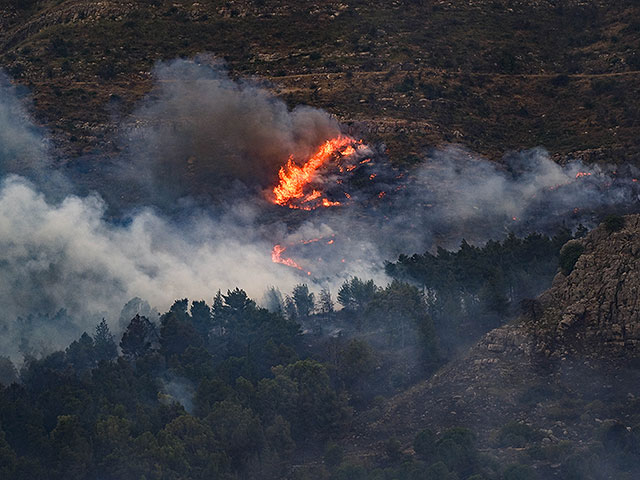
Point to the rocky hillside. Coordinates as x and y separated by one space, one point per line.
594 310
565 372
495 75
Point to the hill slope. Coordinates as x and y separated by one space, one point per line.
493 75
569 377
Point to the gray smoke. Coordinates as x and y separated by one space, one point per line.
199 133
23 147
456 195
203 139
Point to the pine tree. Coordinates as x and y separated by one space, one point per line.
201 318
104 345
304 300
81 353
326 305
138 338
217 311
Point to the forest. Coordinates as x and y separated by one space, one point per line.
232 390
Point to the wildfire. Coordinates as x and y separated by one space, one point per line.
294 181
583 174
276 256
277 253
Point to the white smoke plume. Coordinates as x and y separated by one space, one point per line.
66 255
199 153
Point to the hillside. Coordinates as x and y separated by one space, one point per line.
492 75
158 190
555 386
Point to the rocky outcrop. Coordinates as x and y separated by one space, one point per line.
594 311
560 368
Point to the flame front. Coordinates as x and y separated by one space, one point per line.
300 188
276 256
292 189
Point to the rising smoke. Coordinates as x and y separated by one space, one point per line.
199 133
199 154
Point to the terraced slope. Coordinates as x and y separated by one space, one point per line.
493 75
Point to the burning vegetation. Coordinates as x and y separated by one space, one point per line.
298 187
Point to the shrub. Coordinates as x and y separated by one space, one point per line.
614 223
569 255
516 434
348 471
518 472
333 456
425 444
393 450
554 452
439 471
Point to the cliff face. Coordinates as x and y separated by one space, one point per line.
594 311
563 368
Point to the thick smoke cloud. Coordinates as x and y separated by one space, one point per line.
66 255
199 132
199 153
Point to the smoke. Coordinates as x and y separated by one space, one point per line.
199 133
22 146
177 390
456 195
198 154
67 255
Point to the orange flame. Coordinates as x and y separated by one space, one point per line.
276 257
328 203
294 179
583 174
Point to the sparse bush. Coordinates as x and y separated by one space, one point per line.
518 472
574 468
59 47
516 434
333 456
107 71
614 223
560 81
393 449
602 85
425 444
567 409
569 255
406 85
